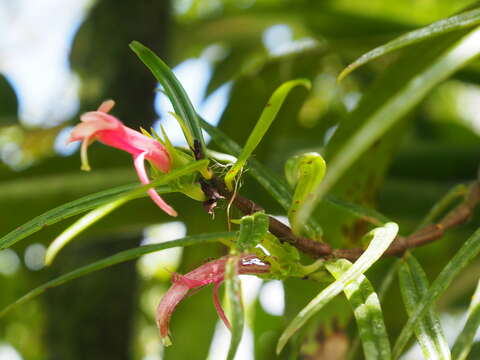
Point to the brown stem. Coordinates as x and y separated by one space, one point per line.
316 249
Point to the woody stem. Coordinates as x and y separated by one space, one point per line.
316 249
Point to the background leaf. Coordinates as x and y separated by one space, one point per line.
453 23
88 202
117 259
349 143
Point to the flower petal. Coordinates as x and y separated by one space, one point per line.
139 162
106 106
167 305
191 283
218 306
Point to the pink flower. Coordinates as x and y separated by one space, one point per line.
99 125
212 272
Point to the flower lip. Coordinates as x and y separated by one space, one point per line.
212 272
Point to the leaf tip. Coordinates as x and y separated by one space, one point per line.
344 73
134 44
279 348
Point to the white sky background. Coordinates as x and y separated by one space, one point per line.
34 51
34 47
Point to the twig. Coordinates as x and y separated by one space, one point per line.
316 249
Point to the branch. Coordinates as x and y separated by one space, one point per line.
316 249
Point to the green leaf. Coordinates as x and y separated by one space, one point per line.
378 112
80 225
233 294
463 343
387 282
279 190
382 238
92 201
453 23
367 311
175 92
469 250
118 258
441 205
253 229
262 126
306 172
429 333
63 212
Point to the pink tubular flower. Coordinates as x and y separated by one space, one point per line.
99 125
212 272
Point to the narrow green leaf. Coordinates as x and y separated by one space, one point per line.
367 214
305 172
367 311
233 293
463 343
429 333
457 22
78 226
92 201
253 229
263 124
404 96
469 250
63 212
117 259
175 92
279 190
441 205
382 238
85 222
387 282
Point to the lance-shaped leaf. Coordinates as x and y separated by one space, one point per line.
175 92
305 172
277 187
429 333
382 238
401 88
385 285
463 343
123 256
79 226
95 215
262 126
233 296
441 205
92 201
453 23
469 250
63 212
367 311
253 229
